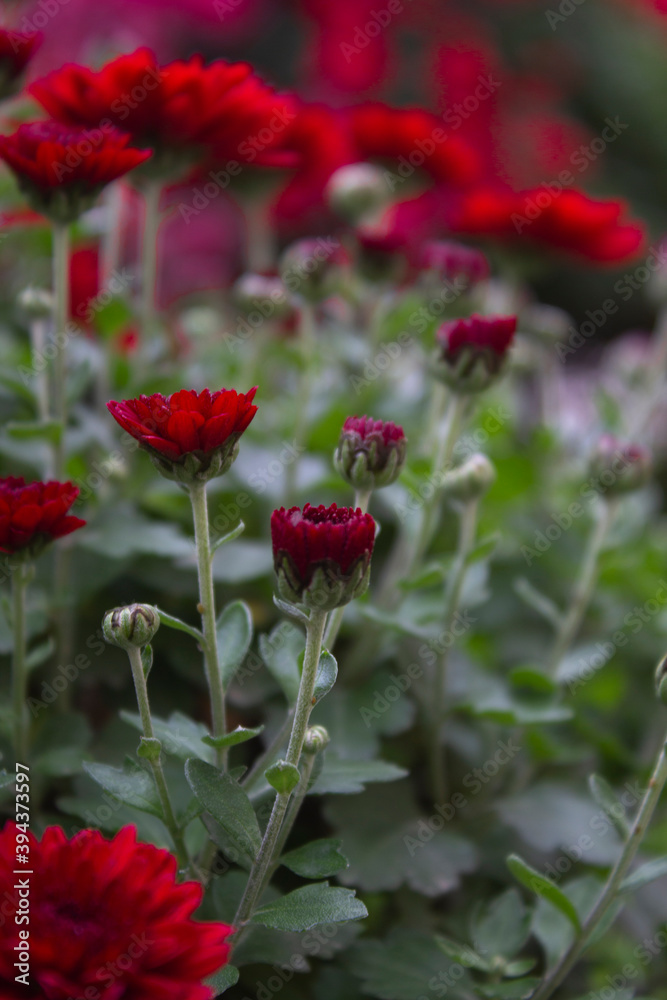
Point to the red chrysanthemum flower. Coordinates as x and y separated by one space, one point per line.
62 170
16 50
370 453
189 435
322 554
108 920
182 110
33 515
471 353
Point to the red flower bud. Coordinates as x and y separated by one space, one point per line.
16 50
471 353
322 554
33 515
189 436
619 467
62 170
449 261
370 453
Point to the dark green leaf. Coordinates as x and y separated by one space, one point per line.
135 788
238 735
309 906
227 803
318 859
234 634
544 887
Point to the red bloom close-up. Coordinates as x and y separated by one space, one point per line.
188 427
16 50
62 170
33 514
449 261
107 919
322 554
184 107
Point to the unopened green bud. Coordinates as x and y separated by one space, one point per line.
357 190
263 293
620 467
308 267
37 303
316 740
132 626
471 480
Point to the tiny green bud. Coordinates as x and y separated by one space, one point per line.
661 680
36 302
357 190
283 776
132 626
316 740
471 480
149 748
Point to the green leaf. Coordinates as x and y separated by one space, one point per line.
327 672
147 659
283 776
180 626
345 777
234 634
544 887
227 803
501 928
646 873
484 548
462 953
537 601
39 654
319 859
180 736
519 968
135 786
223 980
309 906
229 537
604 795
280 651
514 989
238 735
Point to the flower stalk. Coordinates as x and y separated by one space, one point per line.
612 886
141 688
267 852
307 343
583 588
198 499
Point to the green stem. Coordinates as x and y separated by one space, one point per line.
141 689
265 857
467 533
149 256
207 610
610 890
266 757
19 672
583 588
61 296
361 499
308 346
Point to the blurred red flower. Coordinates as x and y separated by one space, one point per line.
61 170
107 917
16 50
33 515
183 110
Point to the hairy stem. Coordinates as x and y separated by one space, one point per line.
467 533
610 890
208 617
267 852
583 588
141 689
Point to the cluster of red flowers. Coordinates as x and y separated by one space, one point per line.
107 918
